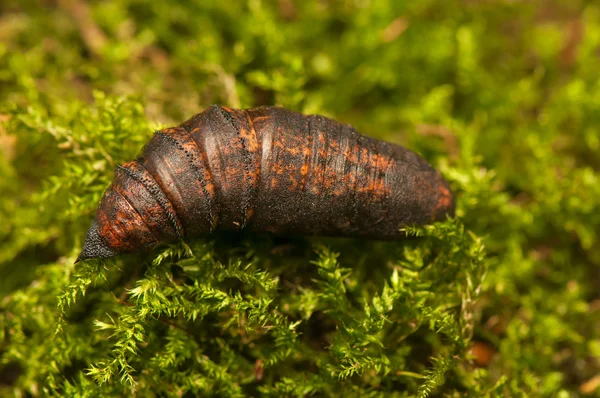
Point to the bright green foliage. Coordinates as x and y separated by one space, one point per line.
502 96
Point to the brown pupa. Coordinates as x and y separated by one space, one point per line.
264 169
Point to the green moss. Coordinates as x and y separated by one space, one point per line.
503 97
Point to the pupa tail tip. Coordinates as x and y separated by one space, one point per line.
94 245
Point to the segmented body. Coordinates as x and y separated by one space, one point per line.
266 169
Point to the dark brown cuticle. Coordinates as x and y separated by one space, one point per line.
265 169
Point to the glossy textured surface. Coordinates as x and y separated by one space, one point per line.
269 170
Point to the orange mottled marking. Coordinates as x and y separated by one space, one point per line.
293 150
304 170
258 119
444 198
120 225
250 140
107 233
277 168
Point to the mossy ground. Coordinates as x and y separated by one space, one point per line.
502 96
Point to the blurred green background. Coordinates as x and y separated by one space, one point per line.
502 96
